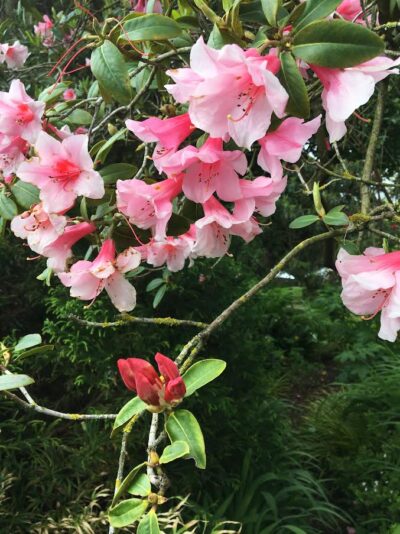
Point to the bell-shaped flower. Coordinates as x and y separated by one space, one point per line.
345 90
148 206
167 133
20 115
259 195
371 284
285 143
62 171
87 279
172 251
13 55
158 391
38 227
12 153
231 92
208 169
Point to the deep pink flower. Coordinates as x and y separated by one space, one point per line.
140 6
159 392
19 114
208 169
285 143
87 279
258 195
12 153
371 284
172 251
148 206
231 92
69 94
63 171
13 55
168 133
351 10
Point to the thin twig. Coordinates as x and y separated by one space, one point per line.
384 234
120 472
128 319
143 165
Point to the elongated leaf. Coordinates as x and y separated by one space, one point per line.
316 9
336 44
25 194
299 103
149 524
152 27
106 147
159 295
26 342
303 221
14 381
201 373
270 8
8 208
183 426
80 117
336 218
131 408
127 512
117 171
110 70
140 485
128 481
172 452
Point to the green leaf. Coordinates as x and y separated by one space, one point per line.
128 481
79 116
106 147
8 208
182 425
271 8
159 295
174 451
52 94
303 221
336 44
140 485
117 171
157 282
127 512
25 194
335 218
201 373
316 9
149 524
152 27
26 342
110 70
33 351
14 381
299 103
219 38
131 408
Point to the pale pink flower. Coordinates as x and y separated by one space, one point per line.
87 279
44 29
63 171
69 94
60 250
19 114
247 230
168 133
141 6
285 143
258 195
345 90
13 55
208 169
12 153
231 92
38 227
172 251
351 10
148 206
371 284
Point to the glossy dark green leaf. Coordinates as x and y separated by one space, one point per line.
106 147
128 481
315 10
172 452
336 218
271 8
303 221
127 512
151 27
336 44
149 524
8 208
25 194
131 408
182 425
140 485
201 373
79 117
299 103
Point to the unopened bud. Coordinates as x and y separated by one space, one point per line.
319 208
111 129
154 458
152 498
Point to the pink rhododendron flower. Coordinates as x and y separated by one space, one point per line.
347 89
12 153
351 10
168 133
38 227
231 92
60 250
158 391
146 6
69 94
148 206
172 251
371 284
247 230
208 169
87 279
62 171
258 195
20 116
285 143
13 55
44 29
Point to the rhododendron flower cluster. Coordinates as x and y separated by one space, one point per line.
14 56
159 392
45 31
